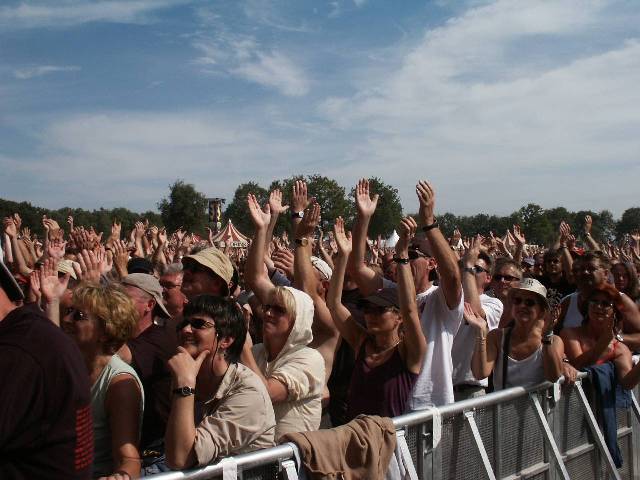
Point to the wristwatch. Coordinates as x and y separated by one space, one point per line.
303 242
299 214
400 260
184 391
469 270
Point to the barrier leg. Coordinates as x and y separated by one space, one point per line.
548 435
436 452
595 429
289 471
634 406
478 439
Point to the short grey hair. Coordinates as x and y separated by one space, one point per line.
173 269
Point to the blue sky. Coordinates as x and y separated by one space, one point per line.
498 103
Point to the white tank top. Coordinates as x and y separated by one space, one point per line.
520 373
573 317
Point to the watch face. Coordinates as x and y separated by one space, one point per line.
298 214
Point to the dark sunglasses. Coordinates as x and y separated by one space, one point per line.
276 309
508 278
601 303
479 269
529 302
76 314
414 254
197 323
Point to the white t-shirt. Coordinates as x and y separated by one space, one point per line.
465 340
434 386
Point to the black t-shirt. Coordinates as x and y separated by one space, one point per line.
46 429
149 354
556 291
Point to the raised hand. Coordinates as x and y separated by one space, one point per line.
474 320
104 259
299 198
139 230
365 203
342 238
427 198
588 224
89 266
70 222
184 368
275 202
551 317
52 286
406 232
34 287
116 228
471 256
56 249
162 237
565 231
311 219
10 227
26 233
260 217
518 235
283 260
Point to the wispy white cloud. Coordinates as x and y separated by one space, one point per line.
275 70
65 13
243 56
469 107
40 70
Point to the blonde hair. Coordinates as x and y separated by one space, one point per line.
284 297
114 309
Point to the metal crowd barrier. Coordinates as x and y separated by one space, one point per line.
543 432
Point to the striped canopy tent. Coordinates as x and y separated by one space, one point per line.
231 236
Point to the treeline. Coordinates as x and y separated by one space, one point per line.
185 206
101 219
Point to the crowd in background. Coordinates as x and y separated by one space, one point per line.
130 355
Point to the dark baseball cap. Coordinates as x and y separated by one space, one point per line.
140 265
385 297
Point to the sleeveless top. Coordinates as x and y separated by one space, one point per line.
102 461
383 390
520 373
573 317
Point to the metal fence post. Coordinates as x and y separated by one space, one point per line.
597 434
469 415
551 442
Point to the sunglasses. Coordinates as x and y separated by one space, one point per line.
76 314
414 254
197 323
277 309
529 302
479 269
601 303
507 278
370 308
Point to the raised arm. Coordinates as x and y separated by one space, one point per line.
552 346
325 334
342 319
589 240
367 279
414 345
255 273
469 284
447 262
276 207
11 230
486 346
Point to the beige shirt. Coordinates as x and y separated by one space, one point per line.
238 419
301 369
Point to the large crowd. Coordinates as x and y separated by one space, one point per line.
125 357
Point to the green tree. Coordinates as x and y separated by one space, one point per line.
237 209
185 207
629 222
537 226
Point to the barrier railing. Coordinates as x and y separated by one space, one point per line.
536 433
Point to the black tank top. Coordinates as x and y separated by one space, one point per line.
383 390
